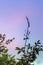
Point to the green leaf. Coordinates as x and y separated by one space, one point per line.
17 48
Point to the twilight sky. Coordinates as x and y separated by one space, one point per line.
13 21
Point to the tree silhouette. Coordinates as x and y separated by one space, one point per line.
29 51
5 58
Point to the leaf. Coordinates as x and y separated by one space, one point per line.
41 49
22 48
38 42
29 46
19 52
17 48
5 51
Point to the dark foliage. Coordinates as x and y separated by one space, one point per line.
29 51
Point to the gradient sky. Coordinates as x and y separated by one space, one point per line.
13 21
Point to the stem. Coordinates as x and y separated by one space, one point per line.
26 38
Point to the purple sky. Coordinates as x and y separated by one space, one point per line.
13 21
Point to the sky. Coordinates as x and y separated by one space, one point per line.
13 21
